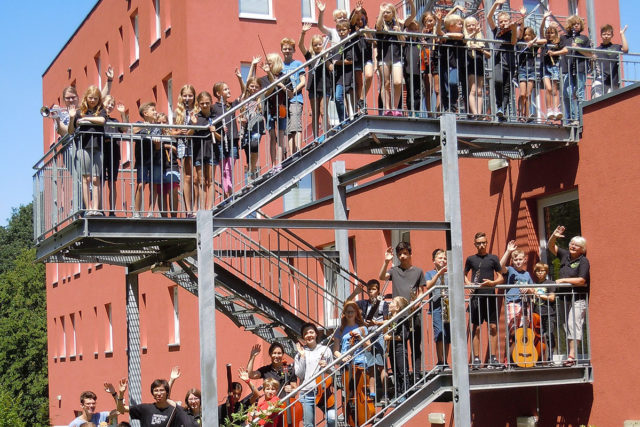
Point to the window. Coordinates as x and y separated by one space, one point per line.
560 209
343 4
77 269
63 340
300 194
398 236
55 275
331 309
108 347
136 37
244 70
156 5
176 316
308 11
98 69
72 319
168 90
256 9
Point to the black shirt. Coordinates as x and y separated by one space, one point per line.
571 268
344 72
552 60
526 57
150 415
482 267
319 75
609 61
575 61
203 140
284 376
504 55
545 307
453 54
90 134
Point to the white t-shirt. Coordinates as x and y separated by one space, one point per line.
96 418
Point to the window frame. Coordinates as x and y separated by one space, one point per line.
250 15
545 202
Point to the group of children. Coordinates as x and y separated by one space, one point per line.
440 60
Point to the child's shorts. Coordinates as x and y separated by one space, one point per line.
294 122
526 74
551 72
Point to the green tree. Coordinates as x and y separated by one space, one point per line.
23 327
10 414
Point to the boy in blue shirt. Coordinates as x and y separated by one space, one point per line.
515 275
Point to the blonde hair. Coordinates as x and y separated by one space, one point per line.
337 13
401 303
476 35
575 19
314 38
95 92
180 113
276 63
271 382
450 19
289 42
391 7
516 253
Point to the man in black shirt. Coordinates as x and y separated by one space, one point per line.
162 413
485 273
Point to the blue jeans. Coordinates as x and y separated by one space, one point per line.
573 93
339 98
309 411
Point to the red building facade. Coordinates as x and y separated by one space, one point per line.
155 47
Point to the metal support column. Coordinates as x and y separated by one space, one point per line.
133 343
207 319
341 235
451 187
591 23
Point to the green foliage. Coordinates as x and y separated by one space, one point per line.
23 324
17 235
10 413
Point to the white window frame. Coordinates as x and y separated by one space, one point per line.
109 310
74 348
345 5
312 7
56 276
157 21
330 284
63 351
543 203
176 317
170 99
136 37
250 15
99 69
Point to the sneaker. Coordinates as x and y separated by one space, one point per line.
551 115
559 115
388 113
136 215
397 113
476 364
494 364
500 113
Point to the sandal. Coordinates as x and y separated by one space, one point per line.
569 362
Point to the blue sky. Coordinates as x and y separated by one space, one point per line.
31 34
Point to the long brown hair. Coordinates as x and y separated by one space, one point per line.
343 318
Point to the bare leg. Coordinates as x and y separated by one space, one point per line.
187 183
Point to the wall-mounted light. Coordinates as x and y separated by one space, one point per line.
497 164
436 418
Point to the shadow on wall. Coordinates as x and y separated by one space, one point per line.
559 406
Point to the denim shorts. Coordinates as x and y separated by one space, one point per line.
526 74
551 72
271 123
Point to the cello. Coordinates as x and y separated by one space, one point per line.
360 407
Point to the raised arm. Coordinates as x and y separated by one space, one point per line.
625 45
557 233
454 9
321 27
412 11
439 273
492 11
122 387
244 376
72 119
240 81
106 90
543 22
388 257
305 27
511 246
255 351
175 374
